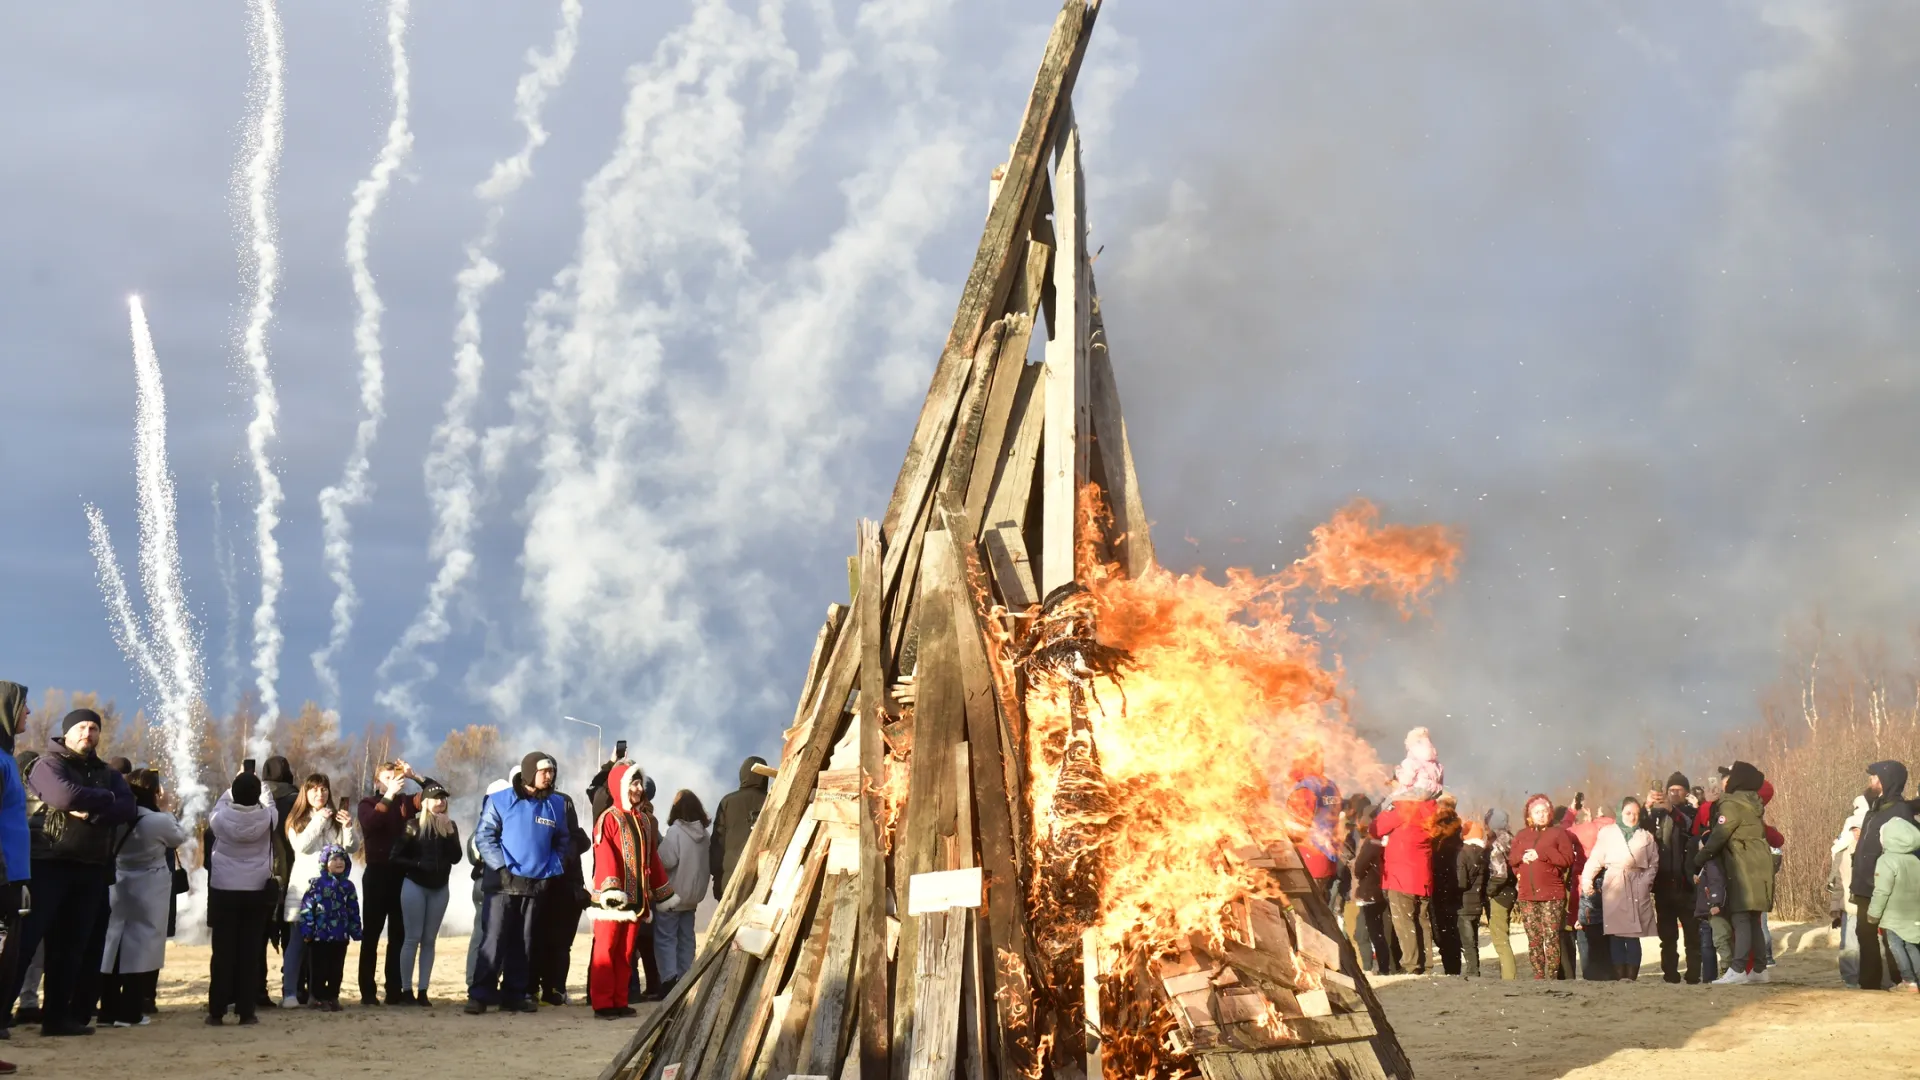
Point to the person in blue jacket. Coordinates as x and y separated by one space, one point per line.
16 860
523 839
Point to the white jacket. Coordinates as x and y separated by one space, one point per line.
242 844
308 843
684 852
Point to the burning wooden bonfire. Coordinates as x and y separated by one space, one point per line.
1021 827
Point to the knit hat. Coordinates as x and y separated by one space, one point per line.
533 763
79 716
1678 779
246 790
1743 776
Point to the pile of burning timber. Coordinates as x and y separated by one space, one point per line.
908 906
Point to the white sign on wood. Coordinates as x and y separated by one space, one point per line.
843 855
943 889
671 1072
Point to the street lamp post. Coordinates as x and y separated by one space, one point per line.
596 737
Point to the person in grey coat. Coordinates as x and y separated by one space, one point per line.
137 925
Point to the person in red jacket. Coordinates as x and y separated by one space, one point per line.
1404 827
628 878
1542 859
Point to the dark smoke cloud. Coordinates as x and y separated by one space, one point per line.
1625 292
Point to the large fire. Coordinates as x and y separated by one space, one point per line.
1161 747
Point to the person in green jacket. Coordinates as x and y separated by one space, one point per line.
1739 841
1896 898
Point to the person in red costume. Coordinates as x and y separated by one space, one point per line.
628 878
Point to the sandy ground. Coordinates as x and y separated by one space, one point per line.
1805 1024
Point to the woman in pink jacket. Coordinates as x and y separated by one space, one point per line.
1629 856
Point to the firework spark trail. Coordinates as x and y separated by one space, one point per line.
230 586
179 647
127 631
449 466
354 488
178 652
256 179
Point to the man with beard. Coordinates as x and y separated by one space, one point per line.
1670 817
87 802
1886 784
523 839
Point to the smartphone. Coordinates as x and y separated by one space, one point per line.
247 766
620 750
343 802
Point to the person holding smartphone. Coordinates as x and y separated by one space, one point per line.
383 818
313 825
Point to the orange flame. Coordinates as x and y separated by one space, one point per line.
1223 696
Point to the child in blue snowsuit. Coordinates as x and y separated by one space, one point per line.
329 918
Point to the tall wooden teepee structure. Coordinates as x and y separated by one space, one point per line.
837 954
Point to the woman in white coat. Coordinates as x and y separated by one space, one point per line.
137 926
312 826
1629 856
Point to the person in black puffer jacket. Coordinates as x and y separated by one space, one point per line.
1369 865
87 803
1470 874
1886 786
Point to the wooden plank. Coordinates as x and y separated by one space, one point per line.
939 720
717 943
973 1007
1013 484
826 1033
1006 551
998 426
786 804
957 469
998 829
716 1012
1064 443
963 806
1345 1060
823 643
1134 533
758 1016
790 1047
873 991
1090 1000
936 1010
995 261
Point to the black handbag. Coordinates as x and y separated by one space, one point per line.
180 881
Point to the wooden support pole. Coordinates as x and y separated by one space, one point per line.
1116 453
1064 454
758 1022
996 262
873 994
1090 999
1013 483
937 978
827 1026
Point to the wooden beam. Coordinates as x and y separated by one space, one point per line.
1116 453
786 803
873 993
936 1010
1006 552
976 1037
757 1017
716 1016
827 1025
790 1046
962 448
1001 420
995 261
987 754
940 715
1090 1001
716 945
816 665
1013 483
1064 453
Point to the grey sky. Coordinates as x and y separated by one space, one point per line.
1622 291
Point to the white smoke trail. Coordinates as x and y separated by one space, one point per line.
652 483
127 631
449 466
230 586
178 652
354 488
255 178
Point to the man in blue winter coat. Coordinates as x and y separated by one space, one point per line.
522 838
16 859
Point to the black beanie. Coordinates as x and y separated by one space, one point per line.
246 790
1678 779
532 763
79 716
1744 777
